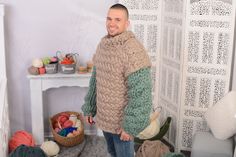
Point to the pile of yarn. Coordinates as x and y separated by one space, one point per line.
38 65
68 125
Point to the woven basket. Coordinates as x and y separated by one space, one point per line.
67 141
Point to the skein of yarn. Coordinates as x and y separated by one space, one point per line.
19 138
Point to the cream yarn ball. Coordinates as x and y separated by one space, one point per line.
50 148
37 62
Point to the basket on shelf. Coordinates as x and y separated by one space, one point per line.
51 68
67 68
67 141
67 63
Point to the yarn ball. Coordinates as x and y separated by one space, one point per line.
27 151
37 62
64 132
19 138
33 70
42 70
50 148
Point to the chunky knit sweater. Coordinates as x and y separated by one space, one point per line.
120 86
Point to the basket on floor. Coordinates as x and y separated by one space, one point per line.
67 141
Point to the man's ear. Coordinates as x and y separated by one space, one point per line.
127 24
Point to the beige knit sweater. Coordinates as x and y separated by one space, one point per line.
115 59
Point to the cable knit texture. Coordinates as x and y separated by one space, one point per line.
116 58
89 107
137 112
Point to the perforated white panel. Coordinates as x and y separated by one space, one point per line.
145 23
193 58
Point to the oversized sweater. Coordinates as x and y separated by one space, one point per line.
120 86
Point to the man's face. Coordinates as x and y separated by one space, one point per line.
117 22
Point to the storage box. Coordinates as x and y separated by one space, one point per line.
67 68
51 68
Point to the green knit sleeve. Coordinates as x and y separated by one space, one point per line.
89 107
137 112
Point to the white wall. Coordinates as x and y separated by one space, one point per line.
39 28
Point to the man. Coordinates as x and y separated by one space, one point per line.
120 86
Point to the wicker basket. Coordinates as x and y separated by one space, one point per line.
67 141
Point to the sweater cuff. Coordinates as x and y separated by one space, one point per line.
137 112
89 108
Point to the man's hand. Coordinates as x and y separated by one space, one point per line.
124 136
89 120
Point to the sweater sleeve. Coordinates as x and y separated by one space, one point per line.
89 107
135 57
137 112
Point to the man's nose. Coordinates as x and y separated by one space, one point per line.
112 23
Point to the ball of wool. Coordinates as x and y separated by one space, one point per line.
50 148
33 70
19 138
37 62
42 70
27 151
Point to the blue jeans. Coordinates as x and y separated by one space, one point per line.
117 147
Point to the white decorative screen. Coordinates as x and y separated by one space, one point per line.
190 43
171 63
145 23
207 62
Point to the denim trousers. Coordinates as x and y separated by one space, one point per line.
117 147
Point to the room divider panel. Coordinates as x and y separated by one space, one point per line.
190 43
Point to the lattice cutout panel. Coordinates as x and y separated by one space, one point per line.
207 62
145 23
191 55
170 63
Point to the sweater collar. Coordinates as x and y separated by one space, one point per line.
118 39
